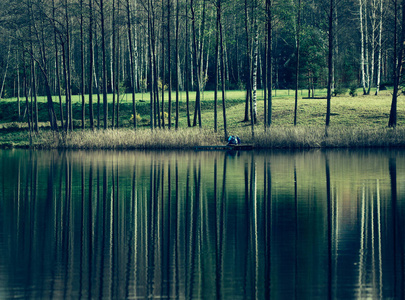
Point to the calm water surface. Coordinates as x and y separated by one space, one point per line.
202 225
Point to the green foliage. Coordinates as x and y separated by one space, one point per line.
339 91
353 91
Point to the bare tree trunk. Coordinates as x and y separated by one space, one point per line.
269 60
217 65
169 65
297 66
151 75
103 49
58 87
187 66
162 117
197 65
397 63
96 78
82 64
330 64
222 71
366 49
177 64
18 85
254 71
26 97
91 64
113 62
379 66
248 65
131 62
64 59
118 65
363 46
155 71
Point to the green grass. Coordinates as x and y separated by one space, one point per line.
355 122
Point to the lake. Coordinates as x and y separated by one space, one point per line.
202 225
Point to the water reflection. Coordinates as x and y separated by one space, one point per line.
202 225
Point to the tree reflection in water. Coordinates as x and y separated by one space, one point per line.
202 225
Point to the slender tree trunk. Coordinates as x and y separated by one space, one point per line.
255 69
103 49
58 84
297 66
96 78
269 60
169 65
155 71
362 41
366 46
118 66
64 59
82 64
162 117
177 64
26 97
330 64
18 85
151 75
91 64
248 65
68 67
113 62
222 71
131 58
197 66
379 65
217 65
187 66
69 113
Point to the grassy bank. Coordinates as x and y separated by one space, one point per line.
355 122
277 137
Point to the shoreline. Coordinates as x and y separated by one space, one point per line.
280 137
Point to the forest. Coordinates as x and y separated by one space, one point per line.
99 50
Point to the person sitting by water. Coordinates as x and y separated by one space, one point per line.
233 140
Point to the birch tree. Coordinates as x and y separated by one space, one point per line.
379 63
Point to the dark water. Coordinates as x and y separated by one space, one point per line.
202 225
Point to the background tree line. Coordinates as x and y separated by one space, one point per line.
95 48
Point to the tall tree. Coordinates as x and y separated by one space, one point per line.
104 62
131 60
254 69
397 63
248 65
162 117
269 54
297 64
218 6
196 62
379 63
57 72
82 83
91 65
222 70
177 64
330 61
169 65
187 73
